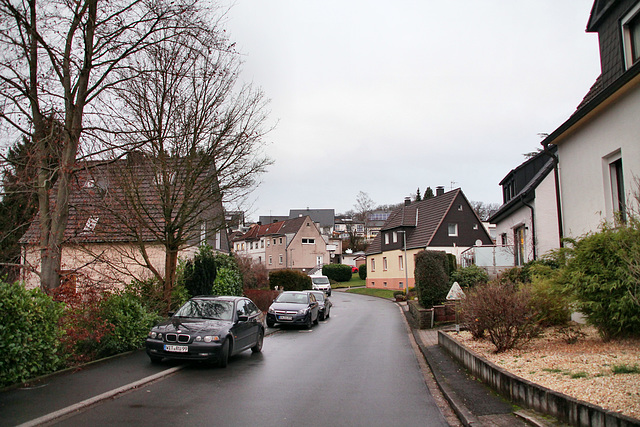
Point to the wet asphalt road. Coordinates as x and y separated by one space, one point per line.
357 368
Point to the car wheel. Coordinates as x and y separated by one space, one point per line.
328 313
258 347
155 359
270 324
309 322
224 354
321 315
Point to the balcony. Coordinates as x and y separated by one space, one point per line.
492 258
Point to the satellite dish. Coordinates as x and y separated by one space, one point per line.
478 242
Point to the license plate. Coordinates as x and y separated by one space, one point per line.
176 348
285 318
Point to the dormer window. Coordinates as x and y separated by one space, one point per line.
631 36
91 224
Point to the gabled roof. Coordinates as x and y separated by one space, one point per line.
99 211
324 217
422 220
257 231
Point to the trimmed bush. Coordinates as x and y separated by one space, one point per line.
228 282
362 271
549 297
337 272
431 278
151 294
469 276
453 264
289 280
130 320
29 337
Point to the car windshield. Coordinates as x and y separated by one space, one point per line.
320 280
206 309
294 298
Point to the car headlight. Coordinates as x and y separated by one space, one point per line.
272 311
303 311
208 338
154 335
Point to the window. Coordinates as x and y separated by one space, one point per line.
386 238
401 262
308 241
519 239
280 259
617 190
475 226
631 36
262 243
203 232
91 224
270 260
503 238
384 263
385 284
319 260
401 285
373 264
460 207
281 240
268 242
274 241
453 230
395 236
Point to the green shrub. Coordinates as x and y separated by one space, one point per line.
600 272
362 271
503 311
469 276
130 320
151 295
337 272
228 282
549 298
289 280
453 264
29 336
200 273
431 278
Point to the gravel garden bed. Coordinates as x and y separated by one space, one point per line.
606 374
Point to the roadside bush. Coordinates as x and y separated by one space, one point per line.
337 272
151 295
549 298
600 273
261 297
254 274
468 277
362 271
199 273
130 323
228 282
289 280
501 310
82 323
29 337
431 278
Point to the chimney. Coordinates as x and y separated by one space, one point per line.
439 190
407 201
135 157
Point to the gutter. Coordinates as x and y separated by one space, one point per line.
556 178
533 227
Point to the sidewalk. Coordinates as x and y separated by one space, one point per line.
473 402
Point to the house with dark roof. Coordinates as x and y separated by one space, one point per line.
527 222
446 222
111 240
293 243
599 144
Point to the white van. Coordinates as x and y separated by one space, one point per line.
321 283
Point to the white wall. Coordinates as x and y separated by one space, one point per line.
586 199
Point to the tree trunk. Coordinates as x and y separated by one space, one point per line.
170 263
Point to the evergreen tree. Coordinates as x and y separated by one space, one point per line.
428 193
418 198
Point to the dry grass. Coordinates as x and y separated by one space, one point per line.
584 370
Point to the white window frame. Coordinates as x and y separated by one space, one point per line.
386 238
385 265
613 189
627 36
453 233
395 237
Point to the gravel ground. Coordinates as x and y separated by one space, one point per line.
584 370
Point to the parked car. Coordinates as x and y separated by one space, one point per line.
325 304
208 328
321 283
293 307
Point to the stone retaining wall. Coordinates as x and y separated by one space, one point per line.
533 396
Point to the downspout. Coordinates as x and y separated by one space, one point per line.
533 227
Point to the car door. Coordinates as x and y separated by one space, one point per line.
242 328
313 303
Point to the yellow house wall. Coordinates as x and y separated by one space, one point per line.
111 266
393 277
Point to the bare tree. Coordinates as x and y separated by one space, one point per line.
58 58
484 210
364 205
201 138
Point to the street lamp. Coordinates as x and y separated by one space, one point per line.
406 263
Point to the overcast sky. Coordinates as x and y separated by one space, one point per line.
387 97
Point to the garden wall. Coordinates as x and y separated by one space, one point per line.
533 396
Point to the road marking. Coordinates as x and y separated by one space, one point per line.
93 400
